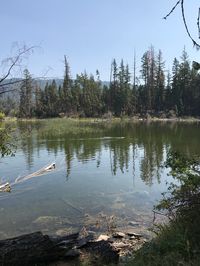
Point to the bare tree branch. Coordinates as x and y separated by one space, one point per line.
5 91
10 82
198 25
11 63
181 2
15 60
186 27
172 10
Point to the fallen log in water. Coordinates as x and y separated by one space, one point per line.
5 187
42 171
35 248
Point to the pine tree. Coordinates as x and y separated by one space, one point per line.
52 100
168 93
90 95
175 85
148 72
113 86
152 78
39 112
26 97
65 94
76 95
194 97
160 83
185 79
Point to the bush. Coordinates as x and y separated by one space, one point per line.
172 114
183 202
107 116
178 242
2 116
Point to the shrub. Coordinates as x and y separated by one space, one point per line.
172 114
178 242
2 116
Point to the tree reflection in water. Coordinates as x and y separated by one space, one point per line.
128 143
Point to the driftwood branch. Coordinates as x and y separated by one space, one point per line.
5 187
44 170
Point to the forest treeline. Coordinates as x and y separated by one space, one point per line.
155 91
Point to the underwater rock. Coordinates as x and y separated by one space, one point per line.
105 250
103 237
63 231
132 223
118 235
73 253
34 249
48 221
83 241
120 245
132 233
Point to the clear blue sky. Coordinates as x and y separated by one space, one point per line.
93 32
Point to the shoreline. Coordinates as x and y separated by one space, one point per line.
81 247
100 120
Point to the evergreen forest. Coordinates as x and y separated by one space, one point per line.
146 89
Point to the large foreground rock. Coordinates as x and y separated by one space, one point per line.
35 248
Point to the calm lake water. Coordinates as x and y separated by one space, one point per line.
102 170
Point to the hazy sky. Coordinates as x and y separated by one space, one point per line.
93 32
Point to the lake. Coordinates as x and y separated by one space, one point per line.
107 174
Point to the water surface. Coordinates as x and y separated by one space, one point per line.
102 170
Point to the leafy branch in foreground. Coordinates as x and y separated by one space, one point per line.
7 147
183 196
182 204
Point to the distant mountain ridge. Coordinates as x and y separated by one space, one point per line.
59 82
42 82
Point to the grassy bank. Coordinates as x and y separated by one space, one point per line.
171 247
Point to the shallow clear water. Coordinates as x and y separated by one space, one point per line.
101 169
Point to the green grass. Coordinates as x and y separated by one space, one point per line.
171 247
